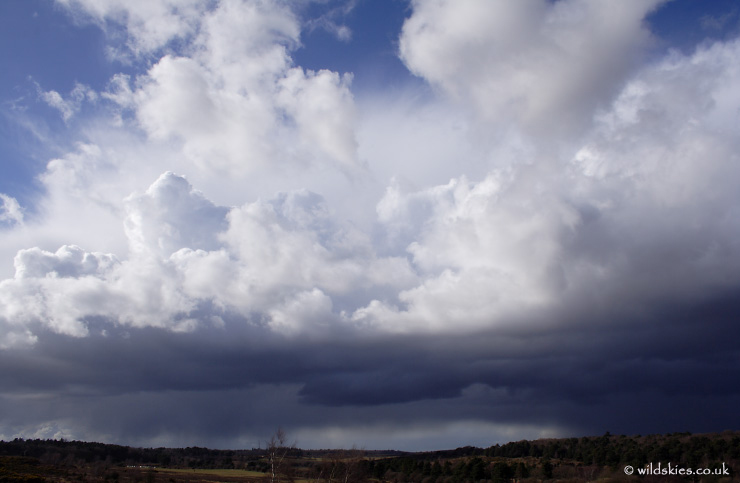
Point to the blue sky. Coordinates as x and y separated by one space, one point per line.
409 224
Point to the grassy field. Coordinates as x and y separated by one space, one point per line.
215 473
182 475
211 476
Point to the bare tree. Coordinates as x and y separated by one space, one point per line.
342 466
277 451
351 460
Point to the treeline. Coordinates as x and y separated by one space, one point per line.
610 450
75 453
476 469
607 450
583 458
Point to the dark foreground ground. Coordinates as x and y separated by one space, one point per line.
602 458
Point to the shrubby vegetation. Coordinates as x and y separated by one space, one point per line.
571 459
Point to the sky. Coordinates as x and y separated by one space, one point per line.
406 224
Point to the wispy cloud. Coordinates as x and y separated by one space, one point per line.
72 104
10 210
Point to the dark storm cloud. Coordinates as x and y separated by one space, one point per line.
578 374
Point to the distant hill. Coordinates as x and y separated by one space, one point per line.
572 459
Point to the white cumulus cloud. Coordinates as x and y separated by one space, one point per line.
543 65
